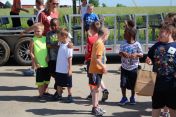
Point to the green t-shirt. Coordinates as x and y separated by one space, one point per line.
40 50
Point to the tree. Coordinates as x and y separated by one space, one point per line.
94 2
120 5
104 5
7 4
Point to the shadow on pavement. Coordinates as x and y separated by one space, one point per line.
47 112
16 88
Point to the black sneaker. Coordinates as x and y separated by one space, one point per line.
89 97
42 98
56 97
69 99
47 94
105 95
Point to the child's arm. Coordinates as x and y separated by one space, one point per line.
70 66
99 62
31 47
124 54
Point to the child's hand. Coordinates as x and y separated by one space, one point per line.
37 66
148 61
70 45
135 55
126 55
69 72
104 70
47 59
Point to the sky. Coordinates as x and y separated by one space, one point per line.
115 2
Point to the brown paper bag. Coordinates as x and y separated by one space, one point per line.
145 83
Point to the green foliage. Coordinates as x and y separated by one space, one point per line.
94 2
7 4
120 5
104 5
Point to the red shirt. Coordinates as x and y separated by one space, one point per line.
45 18
90 41
16 5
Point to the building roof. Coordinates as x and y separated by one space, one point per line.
1 4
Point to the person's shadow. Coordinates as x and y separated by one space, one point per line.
48 112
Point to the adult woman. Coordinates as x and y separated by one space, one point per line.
50 12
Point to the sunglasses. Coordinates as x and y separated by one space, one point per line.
55 3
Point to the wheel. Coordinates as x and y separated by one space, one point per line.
22 53
4 52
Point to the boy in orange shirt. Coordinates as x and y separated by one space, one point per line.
97 69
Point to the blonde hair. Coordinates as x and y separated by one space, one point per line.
39 25
64 32
95 26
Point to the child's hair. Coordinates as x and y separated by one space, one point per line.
53 22
39 25
170 29
39 1
102 31
170 19
90 5
130 27
95 26
64 32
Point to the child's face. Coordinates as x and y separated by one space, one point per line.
90 9
55 26
164 36
84 2
62 38
127 35
38 32
105 36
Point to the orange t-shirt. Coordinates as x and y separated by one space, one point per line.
16 5
97 50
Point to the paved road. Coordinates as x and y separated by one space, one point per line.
18 96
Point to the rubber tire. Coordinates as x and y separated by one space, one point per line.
17 56
6 48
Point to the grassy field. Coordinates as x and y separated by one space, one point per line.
106 10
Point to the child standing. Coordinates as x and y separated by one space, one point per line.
52 46
163 55
38 51
93 36
97 69
130 52
89 17
64 65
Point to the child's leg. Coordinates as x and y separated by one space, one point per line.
59 90
132 93
95 93
102 85
165 109
123 92
156 112
69 90
172 112
41 90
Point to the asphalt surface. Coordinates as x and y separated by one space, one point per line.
18 96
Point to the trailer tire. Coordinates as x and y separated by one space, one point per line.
4 52
22 53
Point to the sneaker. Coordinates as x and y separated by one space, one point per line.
56 97
28 72
123 101
96 111
165 114
105 95
89 97
47 94
102 110
41 98
69 99
132 101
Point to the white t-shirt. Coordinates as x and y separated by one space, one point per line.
62 58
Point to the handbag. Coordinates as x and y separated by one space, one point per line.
145 82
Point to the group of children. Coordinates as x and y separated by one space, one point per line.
52 55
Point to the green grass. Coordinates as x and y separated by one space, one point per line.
106 10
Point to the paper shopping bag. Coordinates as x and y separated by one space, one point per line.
145 83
